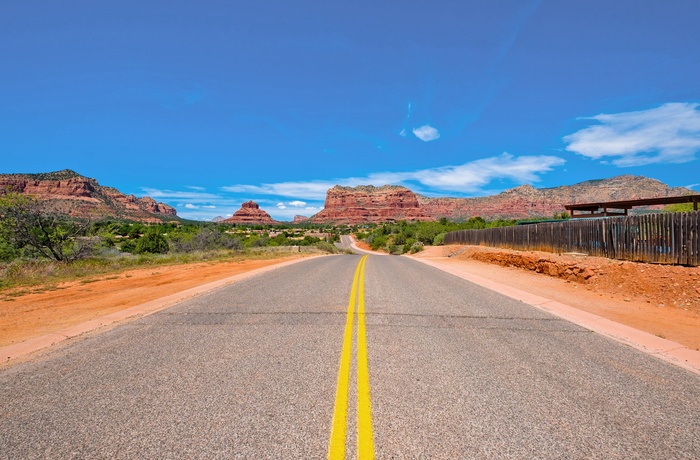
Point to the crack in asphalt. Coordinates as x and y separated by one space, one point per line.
374 314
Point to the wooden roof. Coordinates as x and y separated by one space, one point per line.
595 208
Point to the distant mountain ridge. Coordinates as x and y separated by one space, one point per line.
69 193
363 204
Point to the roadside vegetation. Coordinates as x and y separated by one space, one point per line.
410 237
679 207
37 247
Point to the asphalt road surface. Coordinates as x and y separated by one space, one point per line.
255 370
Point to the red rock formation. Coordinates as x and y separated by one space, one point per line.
391 203
300 219
526 202
67 192
251 214
354 205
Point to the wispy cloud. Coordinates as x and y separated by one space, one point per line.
467 178
179 195
195 205
426 133
196 188
297 203
309 190
666 134
472 176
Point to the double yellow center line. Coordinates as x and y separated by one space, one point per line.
365 441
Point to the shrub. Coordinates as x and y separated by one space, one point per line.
378 242
152 242
400 239
439 240
25 222
416 247
128 246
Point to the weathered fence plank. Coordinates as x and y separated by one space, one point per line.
669 238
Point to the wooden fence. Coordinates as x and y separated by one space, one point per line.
667 238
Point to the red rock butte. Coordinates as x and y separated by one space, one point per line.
250 214
366 203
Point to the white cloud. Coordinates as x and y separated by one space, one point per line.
667 134
281 206
691 186
191 206
209 207
466 178
402 133
297 203
426 133
308 190
472 176
172 194
196 188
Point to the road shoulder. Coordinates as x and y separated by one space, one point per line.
24 349
667 350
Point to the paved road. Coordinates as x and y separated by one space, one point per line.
346 242
251 371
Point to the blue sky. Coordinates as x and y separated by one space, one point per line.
205 105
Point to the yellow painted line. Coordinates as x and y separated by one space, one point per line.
365 441
338 432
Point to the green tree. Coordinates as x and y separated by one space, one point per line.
25 222
152 242
679 207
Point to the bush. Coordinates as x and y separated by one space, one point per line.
128 246
427 231
395 249
152 242
206 239
327 247
439 240
378 242
26 223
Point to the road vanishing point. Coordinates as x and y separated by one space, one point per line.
349 356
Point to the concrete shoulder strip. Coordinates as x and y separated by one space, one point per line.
12 352
667 350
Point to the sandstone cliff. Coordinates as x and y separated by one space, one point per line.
353 205
391 203
250 214
67 192
526 201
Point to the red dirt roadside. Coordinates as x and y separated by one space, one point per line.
23 317
659 299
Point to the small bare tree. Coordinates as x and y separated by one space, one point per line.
25 221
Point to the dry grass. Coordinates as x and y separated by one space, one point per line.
20 274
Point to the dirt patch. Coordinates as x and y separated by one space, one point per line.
660 299
362 245
25 314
